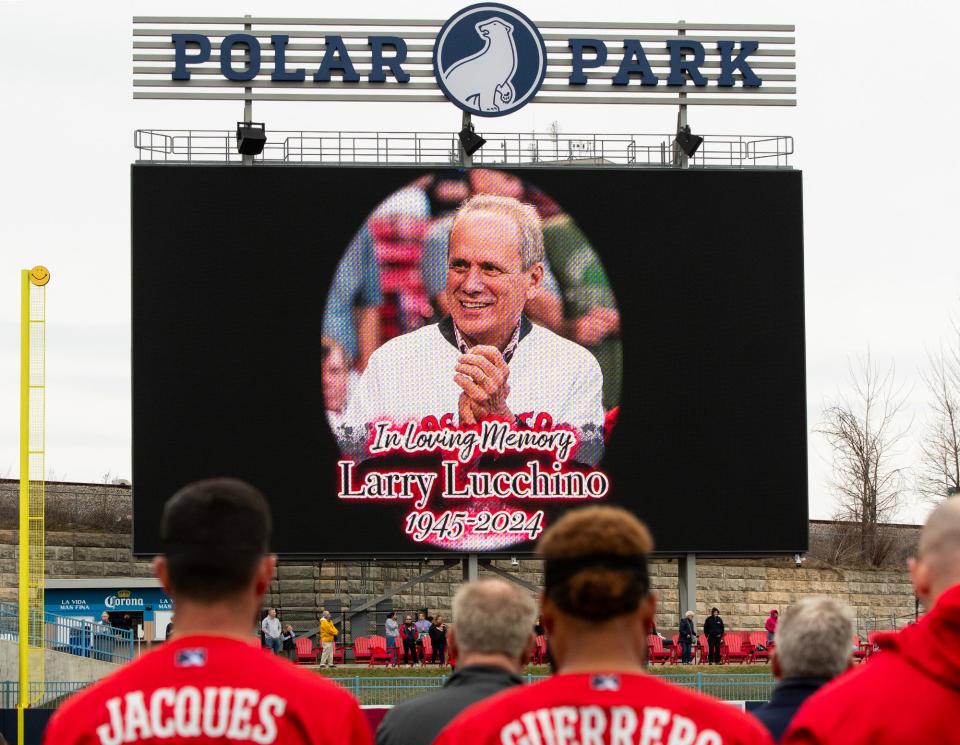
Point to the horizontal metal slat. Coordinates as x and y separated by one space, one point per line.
551 50
371 87
319 34
419 22
611 63
422 73
624 99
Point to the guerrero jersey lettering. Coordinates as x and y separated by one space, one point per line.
603 709
207 689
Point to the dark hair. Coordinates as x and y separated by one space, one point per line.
595 562
214 533
391 614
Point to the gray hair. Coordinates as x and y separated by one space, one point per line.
326 614
524 215
491 616
814 638
689 614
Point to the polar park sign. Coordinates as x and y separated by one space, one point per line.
488 59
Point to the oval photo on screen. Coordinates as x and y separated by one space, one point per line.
467 298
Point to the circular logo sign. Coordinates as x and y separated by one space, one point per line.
489 59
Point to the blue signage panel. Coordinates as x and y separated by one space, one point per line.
94 601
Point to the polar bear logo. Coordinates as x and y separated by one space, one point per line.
485 80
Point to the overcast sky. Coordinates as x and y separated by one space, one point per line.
873 129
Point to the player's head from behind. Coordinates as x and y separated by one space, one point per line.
936 567
494 266
813 639
596 600
492 624
215 536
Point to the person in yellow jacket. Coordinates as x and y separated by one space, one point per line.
328 633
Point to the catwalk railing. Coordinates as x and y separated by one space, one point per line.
76 636
442 148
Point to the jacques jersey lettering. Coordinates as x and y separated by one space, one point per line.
240 694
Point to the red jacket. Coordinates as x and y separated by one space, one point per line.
771 624
908 692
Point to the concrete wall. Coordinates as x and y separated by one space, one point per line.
58 666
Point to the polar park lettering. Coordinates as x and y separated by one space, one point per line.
388 54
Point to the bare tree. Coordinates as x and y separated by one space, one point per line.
939 472
864 432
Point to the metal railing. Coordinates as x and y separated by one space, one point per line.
442 148
47 695
73 636
392 691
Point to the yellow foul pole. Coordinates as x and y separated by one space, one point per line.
23 595
32 450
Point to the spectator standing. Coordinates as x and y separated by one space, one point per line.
103 638
210 685
288 643
328 636
771 625
909 691
409 634
423 631
713 630
688 637
271 628
597 607
438 641
392 630
812 647
490 640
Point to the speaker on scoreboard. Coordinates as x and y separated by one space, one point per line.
251 137
470 140
687 141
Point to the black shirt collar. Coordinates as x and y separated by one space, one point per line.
448 332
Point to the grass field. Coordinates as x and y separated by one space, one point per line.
431 671
381 686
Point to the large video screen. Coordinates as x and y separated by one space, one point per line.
429 360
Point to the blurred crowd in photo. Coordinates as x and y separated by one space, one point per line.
392 277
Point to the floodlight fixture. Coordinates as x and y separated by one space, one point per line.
251 137
688 142
470 141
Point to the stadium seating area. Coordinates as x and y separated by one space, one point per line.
745 647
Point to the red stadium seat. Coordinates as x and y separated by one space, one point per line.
759 639
378 652
862 650
339 654
427 650
738 647
539 652
361 648
655 650
703 648
306 652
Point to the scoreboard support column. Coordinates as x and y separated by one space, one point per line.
687 576
471 567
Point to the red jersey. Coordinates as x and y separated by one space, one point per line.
603 709
209 689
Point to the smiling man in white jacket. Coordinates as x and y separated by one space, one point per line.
486 360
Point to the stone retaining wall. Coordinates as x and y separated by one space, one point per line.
744 590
